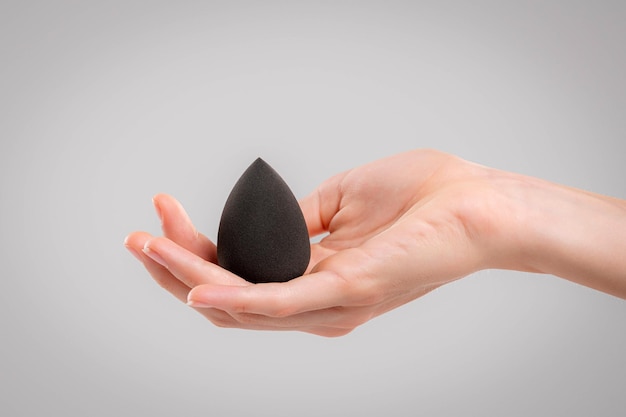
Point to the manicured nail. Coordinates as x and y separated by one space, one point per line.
157 208
197 304
155 256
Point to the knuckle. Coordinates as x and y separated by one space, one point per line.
280 306
362 291
359 285
238 307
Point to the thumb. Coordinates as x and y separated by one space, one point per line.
320 206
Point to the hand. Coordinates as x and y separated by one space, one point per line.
397 229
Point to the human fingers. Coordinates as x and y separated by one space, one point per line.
393 268
135 243
346 318
187 266
224 320
177 226
329 322
322 289
318 253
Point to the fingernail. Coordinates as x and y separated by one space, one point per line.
157 209
155 256
197 304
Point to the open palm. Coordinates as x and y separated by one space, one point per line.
396 229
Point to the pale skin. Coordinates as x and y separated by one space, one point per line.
397 228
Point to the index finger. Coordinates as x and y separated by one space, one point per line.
177 226
186 266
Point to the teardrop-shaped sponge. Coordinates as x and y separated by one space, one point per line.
262 235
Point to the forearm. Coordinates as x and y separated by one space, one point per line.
573 234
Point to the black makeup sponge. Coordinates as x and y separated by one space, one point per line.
262 235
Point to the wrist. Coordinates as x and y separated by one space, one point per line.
565 232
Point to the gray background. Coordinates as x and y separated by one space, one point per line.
103 104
